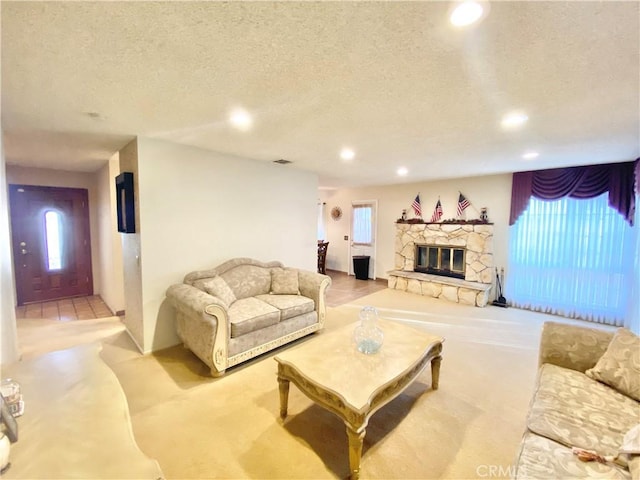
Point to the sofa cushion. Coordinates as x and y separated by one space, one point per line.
541 458
250 314
248 280
217 287
619 367
634 466
289 305
273 336
284 281
574 410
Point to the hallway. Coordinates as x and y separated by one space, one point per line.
344 289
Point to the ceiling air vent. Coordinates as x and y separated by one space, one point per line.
282 161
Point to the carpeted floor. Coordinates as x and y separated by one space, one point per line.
76 421
198 427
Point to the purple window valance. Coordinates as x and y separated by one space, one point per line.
578 182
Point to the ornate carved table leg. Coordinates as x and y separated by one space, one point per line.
435 371
356 439
283 386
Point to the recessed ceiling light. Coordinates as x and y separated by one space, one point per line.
347 154
530 155
241 119
465 14
402 171
514 120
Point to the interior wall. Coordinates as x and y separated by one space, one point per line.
199 209
59 178
131 258
8 334
492 192
110 252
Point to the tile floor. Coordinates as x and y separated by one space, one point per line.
79 308
344 289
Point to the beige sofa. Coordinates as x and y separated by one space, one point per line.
243 308
587 396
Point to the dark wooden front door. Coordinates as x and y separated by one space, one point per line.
51 244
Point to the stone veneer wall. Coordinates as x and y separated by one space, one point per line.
477 239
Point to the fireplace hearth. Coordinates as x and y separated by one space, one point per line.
444 260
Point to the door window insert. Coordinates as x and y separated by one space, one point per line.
362 225
53 239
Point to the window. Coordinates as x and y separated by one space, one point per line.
322 227
571 257
53 239
362 225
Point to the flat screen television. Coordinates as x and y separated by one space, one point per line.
125 203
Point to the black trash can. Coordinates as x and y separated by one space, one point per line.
361 267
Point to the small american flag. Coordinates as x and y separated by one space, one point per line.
416 206
437 212
462 204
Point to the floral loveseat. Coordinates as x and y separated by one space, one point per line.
586 400
244 307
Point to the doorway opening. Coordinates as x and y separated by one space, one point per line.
363 234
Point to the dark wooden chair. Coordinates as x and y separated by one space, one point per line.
322 256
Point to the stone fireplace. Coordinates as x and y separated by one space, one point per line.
453 261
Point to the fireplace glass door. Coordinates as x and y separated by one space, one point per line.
440 260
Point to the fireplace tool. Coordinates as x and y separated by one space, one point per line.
500 301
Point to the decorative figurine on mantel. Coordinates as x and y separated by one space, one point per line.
436 217
417 210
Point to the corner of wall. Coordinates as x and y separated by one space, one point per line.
131 256
9 351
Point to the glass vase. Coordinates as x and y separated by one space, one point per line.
367 335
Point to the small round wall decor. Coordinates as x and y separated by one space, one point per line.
336 213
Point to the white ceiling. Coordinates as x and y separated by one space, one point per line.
392 80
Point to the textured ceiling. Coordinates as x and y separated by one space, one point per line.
392 80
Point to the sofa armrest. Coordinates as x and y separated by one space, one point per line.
314 286
202 324
191 299
572 346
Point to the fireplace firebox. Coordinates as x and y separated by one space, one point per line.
445 260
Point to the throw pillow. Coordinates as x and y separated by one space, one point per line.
217 287
630 451
284 281
619 367
631 441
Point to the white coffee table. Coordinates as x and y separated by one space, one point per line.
330 371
